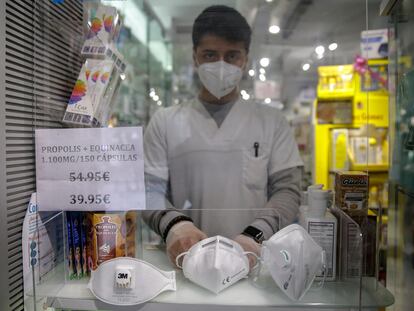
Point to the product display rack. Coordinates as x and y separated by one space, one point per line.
56 291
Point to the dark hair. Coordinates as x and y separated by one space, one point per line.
224 22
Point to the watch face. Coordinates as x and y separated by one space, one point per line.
255 233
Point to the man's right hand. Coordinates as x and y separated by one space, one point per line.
181 237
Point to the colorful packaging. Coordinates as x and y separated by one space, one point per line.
339 158
89 240
351 192
131 227
76 240
92 93
112 235
70 251
104 28
83 222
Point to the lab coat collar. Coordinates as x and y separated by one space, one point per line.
234 120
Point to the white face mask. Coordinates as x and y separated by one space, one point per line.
215 263
129 281
219 78
293 259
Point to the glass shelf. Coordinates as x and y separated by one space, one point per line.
336 294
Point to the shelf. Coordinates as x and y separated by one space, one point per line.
380 168
372 168
244 295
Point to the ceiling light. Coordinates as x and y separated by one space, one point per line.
319 49
246 96
269 0
319 56
262 71
155 98
264 62
159 103
152 93
262 77
251 72
333 46
306 67
242 92
274 29
267 100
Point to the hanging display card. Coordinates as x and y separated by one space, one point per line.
98 169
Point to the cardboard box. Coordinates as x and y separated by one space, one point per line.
351 192
374 43
111 235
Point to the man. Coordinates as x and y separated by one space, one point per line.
232 165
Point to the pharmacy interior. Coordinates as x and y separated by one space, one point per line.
194 155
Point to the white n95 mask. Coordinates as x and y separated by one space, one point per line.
219 78
215 263
129 281
293 259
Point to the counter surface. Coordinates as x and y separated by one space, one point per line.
262 294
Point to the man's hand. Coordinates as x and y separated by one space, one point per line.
249 245
181 237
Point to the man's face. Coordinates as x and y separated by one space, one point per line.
213 49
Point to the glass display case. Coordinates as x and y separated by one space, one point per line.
112 65
57 287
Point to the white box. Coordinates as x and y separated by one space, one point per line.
374 43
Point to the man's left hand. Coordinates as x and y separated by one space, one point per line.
249 245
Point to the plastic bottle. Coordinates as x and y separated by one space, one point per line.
316 218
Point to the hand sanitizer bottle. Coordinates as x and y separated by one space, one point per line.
316 218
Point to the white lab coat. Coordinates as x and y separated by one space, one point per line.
215 171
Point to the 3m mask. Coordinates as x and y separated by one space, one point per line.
293 259
215 263
129 281
219 78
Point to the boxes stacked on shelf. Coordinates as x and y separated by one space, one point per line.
96 87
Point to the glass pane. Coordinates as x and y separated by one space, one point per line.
400 268
243 109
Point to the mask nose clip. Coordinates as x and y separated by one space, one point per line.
216 253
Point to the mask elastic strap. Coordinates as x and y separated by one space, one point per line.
322 282
178 258
256 270
255 256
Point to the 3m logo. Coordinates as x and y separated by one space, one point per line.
123 276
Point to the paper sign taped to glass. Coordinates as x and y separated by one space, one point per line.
90 169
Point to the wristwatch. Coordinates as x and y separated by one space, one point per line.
254 233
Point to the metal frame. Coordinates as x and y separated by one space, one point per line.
387 6
4 280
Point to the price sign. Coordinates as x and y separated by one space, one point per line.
90 169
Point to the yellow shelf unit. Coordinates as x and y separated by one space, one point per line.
368 107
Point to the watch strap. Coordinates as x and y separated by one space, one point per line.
173 222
